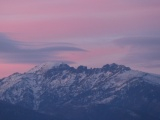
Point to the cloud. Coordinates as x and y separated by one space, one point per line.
16 52
7 45
70 19
141 50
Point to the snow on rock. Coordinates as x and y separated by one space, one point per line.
44 67
107 100
9 82
152 78
63 84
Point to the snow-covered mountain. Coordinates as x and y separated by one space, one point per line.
55 89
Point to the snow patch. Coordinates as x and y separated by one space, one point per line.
107 100
44 67
152 78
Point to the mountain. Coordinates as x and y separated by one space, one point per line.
13 112
111 92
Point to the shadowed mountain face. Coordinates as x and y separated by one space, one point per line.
111 92
13 112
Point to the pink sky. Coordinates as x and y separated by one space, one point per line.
86 32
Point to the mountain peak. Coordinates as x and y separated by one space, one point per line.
115 67
53 88
46 66
82 68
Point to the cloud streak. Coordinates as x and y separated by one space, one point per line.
44 30
14 52
141 50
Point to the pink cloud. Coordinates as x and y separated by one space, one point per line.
76 21
82 27
103 53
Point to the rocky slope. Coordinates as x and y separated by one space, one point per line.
63 90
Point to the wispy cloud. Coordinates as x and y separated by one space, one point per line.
15 52
141 50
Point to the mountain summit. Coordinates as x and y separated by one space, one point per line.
111 92
45 66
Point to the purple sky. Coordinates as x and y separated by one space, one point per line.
87 32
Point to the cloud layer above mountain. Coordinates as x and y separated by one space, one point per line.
15 52
143 51
120 31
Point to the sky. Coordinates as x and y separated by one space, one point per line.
79 32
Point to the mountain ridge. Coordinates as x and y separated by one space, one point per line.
52 89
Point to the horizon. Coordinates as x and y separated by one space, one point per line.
90 33
75 67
